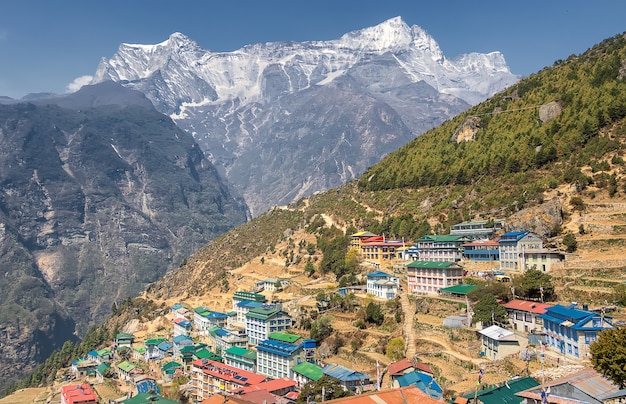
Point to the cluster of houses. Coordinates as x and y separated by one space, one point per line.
432 263
248 355
247 352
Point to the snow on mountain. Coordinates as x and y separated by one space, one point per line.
234 102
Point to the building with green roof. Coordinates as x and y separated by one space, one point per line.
262 321
169 370
206 354
439 248
101 369
306 372
124 339
241 358
284 337
458 290
126 370
504 393
427 277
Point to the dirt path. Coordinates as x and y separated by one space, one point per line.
409 332
449 349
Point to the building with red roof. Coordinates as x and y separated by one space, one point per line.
210 377
524 314
279 387
78 394
404 367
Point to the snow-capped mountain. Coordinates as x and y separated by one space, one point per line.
283 120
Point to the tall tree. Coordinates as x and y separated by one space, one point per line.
608 355
331 389
530 285
488 311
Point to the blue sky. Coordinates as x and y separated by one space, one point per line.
45 44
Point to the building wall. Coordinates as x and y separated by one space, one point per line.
276 366
525 321
383 291
494 349
428 281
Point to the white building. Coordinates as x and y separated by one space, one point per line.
513 245
382 285
262 321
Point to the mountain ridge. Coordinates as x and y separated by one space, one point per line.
96 202
234 103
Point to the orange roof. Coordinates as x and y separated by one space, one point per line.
223 399
526 305
397 368
272 385
80 393
409 394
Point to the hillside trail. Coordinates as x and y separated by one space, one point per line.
449 349
409 332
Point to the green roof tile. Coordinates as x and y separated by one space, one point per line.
126 366
284 337
433 265
308 370
462 289
505 394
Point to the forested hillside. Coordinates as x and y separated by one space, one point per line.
533 136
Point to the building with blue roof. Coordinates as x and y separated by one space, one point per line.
513 245
570 331
350 380
423 381
179 342
277 358
182 326
243 307
382 285
223 339
203 319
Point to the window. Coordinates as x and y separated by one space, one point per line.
590 337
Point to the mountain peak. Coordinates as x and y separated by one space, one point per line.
389 35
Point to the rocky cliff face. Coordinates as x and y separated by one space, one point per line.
285 120
95 204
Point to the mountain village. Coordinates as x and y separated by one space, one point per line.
254 350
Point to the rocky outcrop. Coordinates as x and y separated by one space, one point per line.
467 130
540 219
95 204
550 111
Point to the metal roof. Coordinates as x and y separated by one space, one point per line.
309 370
424 382
277 347
505 394
378 274
252 304
343 374
433 265
526 305
284 337
498 333
461 289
